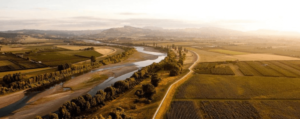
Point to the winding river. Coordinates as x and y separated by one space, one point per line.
108 82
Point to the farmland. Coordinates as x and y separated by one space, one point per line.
217 68
239 76
223 87
219 96
267 88
228 52
61 57
270 68
10 62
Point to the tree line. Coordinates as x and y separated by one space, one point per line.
88 103
18 81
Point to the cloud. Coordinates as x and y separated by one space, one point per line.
41 8
131 13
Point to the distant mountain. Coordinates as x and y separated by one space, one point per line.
128 31
56 32
154 32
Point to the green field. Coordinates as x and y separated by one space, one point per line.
27 71
270 68
206 96
61 57
11 62
217 68
243 87
253 109
255 48
228 52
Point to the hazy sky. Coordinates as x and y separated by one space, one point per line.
98 14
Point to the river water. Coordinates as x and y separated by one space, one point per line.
108 82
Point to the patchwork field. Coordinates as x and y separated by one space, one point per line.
10 48
9 62
270 68
61 57
28 39
238 87
101 50
207 56
28 71
225 96
228 52
218 68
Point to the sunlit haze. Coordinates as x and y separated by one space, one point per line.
100 14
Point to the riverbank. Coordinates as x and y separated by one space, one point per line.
51 102
11 98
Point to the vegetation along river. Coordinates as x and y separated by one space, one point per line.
108 82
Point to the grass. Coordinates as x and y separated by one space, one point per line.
217 68
61 57
96 79
88 54
228 52
29 39
231 87
5 62
19 63
279 69
245 69
269 68
38 72
264 69
254 49
24 71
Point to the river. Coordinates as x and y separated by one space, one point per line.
108 82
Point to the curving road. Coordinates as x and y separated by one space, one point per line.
170 88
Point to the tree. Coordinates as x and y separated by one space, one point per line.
38 117
118 113
53 116
122 86
93 59
93 102
87 97
110 93
64 113
149 91
155 79
176 70
87 105
139 93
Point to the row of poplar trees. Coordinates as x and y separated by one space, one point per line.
18 81
87 103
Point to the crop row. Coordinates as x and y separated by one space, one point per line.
182 110
228 110
213 68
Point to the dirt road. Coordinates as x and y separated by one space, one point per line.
163 106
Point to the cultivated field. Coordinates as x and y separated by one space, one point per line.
270 68
101 50
29 39
251 97
228 52
238 87
60 57
10 62
218 68
207 56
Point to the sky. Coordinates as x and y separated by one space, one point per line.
244 15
